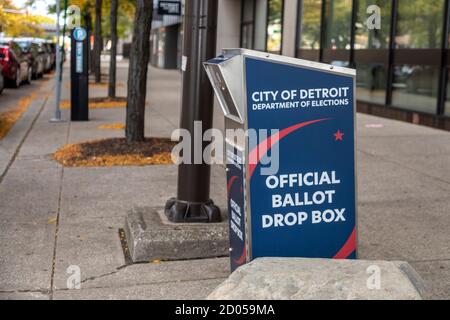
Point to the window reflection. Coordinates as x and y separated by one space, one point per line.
366 38
248 7
260 25
338 23
419 24
274 26
309 33
447 102
415 87
371 82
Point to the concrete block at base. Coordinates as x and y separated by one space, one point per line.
151 236
321 279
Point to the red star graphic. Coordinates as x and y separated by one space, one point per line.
338 135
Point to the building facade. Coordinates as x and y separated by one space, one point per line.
166 38
398 47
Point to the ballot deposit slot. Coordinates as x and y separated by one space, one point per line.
290 155
79 75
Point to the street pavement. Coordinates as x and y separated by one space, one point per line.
55 220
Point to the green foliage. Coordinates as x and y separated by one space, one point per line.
420 23
125 14
125 17
20 25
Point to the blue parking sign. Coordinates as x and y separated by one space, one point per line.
79 34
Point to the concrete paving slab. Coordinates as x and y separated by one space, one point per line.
436 276
45 138
404 230
380 180
161 272
10 143
93 246
26 255
186 290
36 162
23 296
428 154
151 236
111 192
29 194
156 126
406 146
369 126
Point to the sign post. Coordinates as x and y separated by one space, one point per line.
57 115
291 168
79 76
193 204
169 8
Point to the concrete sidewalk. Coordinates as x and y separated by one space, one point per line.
54 217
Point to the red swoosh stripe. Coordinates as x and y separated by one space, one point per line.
262 148
348 248
230 183
242 258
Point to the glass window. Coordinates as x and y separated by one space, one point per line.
247 36
419 24
371 82
372 24
415 87
248 9
274 26
260 25
309 26
447 102
338 16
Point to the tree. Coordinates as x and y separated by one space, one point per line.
98 40
16 23
137 71
112 63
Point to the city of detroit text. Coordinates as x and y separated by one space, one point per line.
299 200
300 98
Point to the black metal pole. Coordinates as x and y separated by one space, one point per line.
192 203
392 49
352 62
322 30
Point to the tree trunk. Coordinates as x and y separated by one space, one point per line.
88 24
137 71
112 63
97 40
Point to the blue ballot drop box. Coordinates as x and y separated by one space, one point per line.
290 155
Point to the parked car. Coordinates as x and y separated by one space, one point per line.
2 79
48 57
52 49
34 54
16 66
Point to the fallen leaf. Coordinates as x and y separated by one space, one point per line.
52 220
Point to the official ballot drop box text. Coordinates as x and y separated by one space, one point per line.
292 189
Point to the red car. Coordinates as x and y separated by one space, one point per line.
16 66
